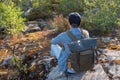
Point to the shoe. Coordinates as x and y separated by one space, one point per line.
71 70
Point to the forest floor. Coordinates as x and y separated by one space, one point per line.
32 45
28 45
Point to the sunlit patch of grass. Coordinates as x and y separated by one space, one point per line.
117 62
4 53
28 44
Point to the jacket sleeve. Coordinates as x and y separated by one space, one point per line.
57 39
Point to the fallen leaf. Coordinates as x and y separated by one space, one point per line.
32 68
117 62
112 46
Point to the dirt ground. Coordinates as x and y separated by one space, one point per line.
28 44
31 44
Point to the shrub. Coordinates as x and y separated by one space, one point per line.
36 13
59 23
40 9
45 8
101 13
67 6
17 62
11 18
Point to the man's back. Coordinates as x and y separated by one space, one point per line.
65 39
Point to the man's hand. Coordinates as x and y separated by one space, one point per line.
61 45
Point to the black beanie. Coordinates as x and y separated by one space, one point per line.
74 18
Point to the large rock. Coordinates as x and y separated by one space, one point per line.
98 74
107 69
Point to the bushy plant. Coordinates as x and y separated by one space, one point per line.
101 13
10 18
67 6
17 62
23 4
40 9
59 23
45 8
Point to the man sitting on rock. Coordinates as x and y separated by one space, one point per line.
63 39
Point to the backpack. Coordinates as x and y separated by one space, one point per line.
82 57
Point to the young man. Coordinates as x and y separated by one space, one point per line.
63 39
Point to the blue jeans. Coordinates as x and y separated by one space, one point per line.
56 51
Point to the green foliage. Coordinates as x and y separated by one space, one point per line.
7 2
101 13
18 63
67 6
40 9
45 8
11 18
98 14
23 4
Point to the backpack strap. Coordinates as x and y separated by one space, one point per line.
74 38
70 34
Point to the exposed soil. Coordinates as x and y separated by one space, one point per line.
30 45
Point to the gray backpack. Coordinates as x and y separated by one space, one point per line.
82 57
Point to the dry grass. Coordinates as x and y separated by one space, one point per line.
4 53
60 23
26 44
29 44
